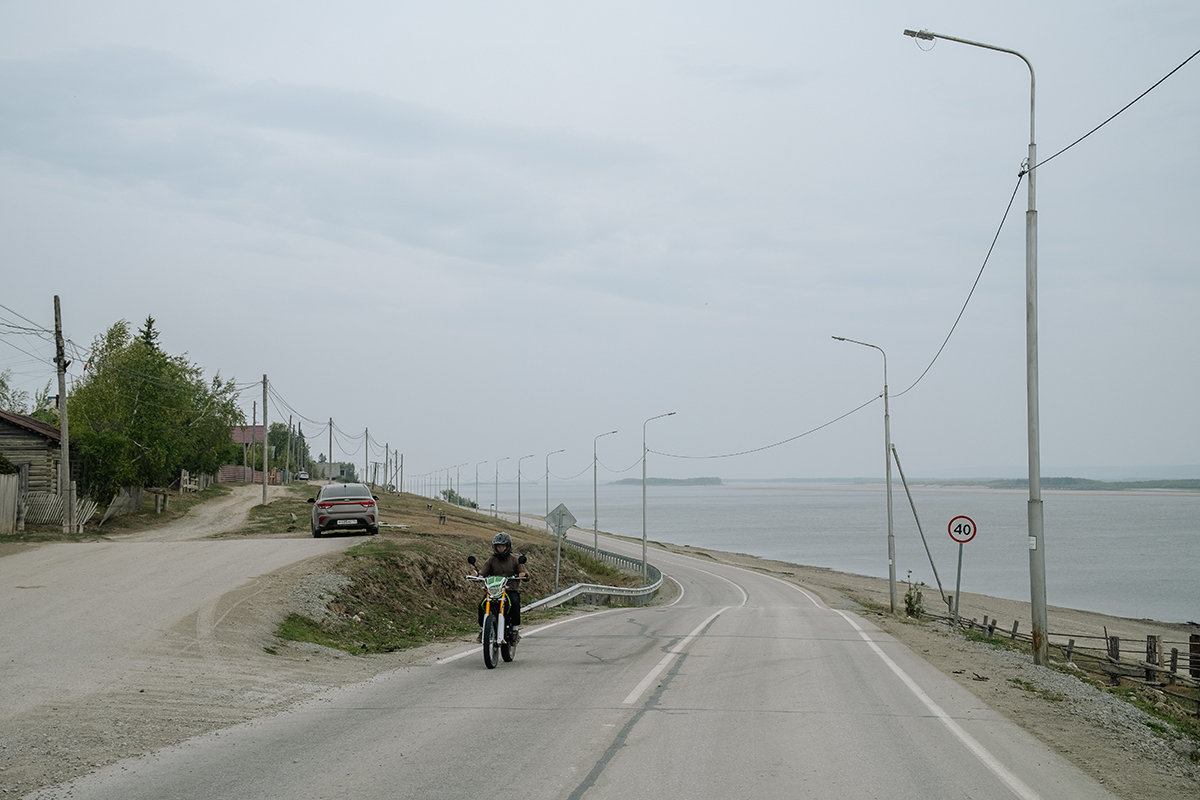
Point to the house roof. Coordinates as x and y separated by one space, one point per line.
245 434
32 425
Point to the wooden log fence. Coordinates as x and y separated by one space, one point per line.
1166 664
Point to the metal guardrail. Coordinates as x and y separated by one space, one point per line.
639 594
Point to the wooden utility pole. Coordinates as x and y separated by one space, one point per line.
287 459
253 438
366 454
264 502
330 475
66 489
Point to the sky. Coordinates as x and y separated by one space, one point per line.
484 231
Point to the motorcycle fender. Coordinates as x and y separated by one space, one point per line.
500 627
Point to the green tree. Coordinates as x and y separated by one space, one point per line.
140 415
12 399
17 400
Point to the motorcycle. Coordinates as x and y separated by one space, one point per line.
498 636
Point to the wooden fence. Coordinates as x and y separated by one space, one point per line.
194 483
9 486
1170 667
46 508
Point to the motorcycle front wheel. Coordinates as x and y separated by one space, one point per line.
491 643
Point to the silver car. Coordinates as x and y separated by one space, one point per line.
344 506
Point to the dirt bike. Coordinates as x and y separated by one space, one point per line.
498 636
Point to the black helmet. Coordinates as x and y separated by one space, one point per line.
502 544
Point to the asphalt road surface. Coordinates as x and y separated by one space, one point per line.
745 687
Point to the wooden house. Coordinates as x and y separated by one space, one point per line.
34 444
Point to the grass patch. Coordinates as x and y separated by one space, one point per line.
1046 694
407 586
1170 719
996 641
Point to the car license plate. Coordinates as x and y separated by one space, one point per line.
347 522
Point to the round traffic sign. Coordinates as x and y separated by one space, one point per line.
962 529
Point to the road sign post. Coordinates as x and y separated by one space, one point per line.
962 530
560 520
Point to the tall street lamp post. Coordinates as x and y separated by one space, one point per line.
458 479
595 496
644 451
1037 551
546 519
496 505
477 484
887 466
519 460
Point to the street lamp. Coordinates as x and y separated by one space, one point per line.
644 451
519 460
547 517
887 465
458 479
477 484
1037 551
496 505
595 496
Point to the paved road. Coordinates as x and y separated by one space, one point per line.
746 686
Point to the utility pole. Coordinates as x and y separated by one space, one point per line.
253 438
367 454
264 502
385 465
66 489
330 475
401 484
287 464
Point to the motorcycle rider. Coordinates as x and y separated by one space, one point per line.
504 563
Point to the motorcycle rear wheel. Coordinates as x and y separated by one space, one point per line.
507 651
491 643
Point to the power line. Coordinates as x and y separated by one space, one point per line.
1114 116
963 310
776 444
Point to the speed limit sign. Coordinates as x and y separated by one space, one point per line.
962 529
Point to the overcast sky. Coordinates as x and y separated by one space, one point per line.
494 229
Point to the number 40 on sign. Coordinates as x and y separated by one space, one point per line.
962 529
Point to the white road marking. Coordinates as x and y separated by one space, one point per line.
668 658
1010 780
738 586
532 632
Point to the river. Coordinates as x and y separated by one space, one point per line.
1129 554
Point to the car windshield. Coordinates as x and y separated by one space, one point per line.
337 490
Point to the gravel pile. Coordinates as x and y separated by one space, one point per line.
1124 726
310 598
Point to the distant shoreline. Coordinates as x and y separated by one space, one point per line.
669 482
1049 484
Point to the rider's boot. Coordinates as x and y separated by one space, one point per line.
516 633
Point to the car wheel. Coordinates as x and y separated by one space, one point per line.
316 533
372 531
